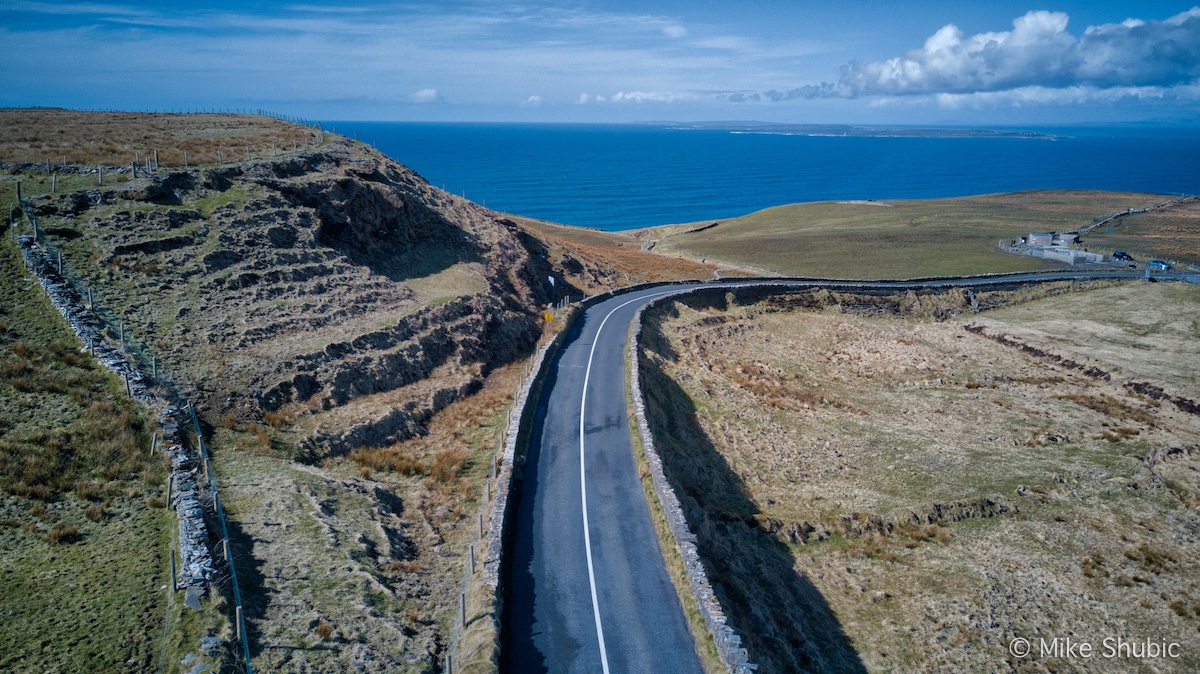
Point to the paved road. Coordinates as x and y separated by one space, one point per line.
585 584
587 587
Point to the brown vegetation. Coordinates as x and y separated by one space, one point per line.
39 135
970 490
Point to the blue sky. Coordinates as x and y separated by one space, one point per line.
963 62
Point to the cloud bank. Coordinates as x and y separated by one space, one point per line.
1037 52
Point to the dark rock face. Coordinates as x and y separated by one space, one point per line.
320 281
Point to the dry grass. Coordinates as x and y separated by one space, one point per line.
1171 234
595 261
816 519
113 139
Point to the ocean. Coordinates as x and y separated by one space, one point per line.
626 176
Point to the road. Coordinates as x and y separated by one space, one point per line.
586 589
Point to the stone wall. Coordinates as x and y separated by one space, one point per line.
728 643
196 570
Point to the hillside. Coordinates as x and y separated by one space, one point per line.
327 287
351 338
906 239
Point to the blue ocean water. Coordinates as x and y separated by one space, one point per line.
618 176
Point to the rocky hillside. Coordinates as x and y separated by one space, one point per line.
329 290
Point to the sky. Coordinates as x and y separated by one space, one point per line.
962 62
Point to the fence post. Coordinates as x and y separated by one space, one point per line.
238 620
101 172
471 552
153 443
59 262
174 584
155 157
462 601
53 182
154 367
185 162
90 304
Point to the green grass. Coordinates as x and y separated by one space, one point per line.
93 604
894 239
82 553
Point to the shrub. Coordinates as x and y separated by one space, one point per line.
62 533
96 512
324 630
447 464
277 419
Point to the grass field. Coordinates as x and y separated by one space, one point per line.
83 533
116 139
893 239
902 494
1172 234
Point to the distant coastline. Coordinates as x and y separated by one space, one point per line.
846 130
630 176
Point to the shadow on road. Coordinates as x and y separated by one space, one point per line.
785 623
518 650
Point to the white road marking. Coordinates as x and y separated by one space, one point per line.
587 538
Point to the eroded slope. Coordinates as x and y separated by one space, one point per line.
323 287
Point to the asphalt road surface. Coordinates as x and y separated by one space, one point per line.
586 589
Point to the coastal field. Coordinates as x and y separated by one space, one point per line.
74 137
893 239
233 273
885 492
1171 234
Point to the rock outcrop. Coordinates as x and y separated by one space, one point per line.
333 286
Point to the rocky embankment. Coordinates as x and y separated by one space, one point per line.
332 289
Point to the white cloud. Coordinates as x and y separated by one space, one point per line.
674 31
425 96
533 101
1073 95
1038 53
652 97
584 99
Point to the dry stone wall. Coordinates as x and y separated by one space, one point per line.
196 572
728 642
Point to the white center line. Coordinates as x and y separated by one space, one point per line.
587 538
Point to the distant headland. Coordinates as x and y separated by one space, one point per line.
857 131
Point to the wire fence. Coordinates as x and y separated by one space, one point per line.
219 510
95 326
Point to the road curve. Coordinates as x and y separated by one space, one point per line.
586 589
